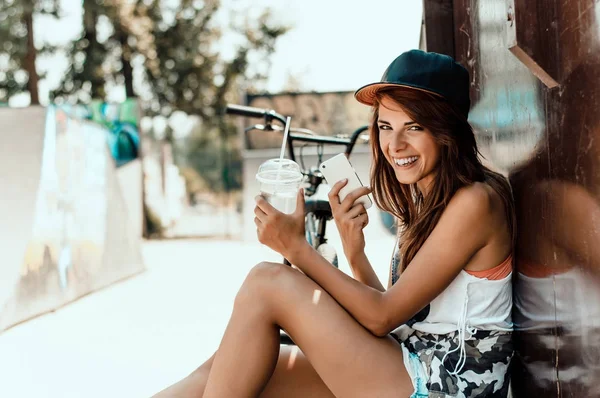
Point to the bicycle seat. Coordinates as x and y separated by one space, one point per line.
318 205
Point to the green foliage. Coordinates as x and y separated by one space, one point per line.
216 157
190 75
194 183
186 71
174 45
90 58
17 59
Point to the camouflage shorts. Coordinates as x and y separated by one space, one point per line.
484 374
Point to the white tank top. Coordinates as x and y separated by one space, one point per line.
467 305
470 302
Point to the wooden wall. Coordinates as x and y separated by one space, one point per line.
535 74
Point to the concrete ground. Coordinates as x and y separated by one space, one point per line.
138 336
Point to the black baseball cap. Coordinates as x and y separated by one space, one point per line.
428 71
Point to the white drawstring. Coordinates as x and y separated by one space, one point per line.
463 329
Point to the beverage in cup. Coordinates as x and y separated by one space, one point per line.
279 181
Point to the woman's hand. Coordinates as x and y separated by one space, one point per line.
350 219
281 232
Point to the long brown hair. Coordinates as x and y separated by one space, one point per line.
459 165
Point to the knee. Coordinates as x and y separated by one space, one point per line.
266 271
259 282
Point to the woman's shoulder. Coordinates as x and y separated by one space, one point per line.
480 203
477 197
484 215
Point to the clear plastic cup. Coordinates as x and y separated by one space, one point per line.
279 181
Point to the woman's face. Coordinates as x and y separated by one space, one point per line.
407 146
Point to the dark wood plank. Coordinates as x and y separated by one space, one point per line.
439 26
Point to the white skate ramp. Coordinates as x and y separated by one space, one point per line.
64 228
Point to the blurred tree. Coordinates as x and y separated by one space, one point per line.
18 72
94 61
84 79
194 183
186 71
113 33
190 75
177 43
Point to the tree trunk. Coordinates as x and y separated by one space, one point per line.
126 62
93 60
30 57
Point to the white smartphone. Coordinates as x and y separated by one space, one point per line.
336 169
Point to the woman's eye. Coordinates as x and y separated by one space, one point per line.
415 128
384 127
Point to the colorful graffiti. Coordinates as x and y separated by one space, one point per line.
121 122
80 239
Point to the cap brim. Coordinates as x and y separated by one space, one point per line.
368 94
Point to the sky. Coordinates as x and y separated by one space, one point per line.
339 44
334 45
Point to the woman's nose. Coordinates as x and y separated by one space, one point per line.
398 142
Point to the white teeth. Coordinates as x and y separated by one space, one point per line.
405 161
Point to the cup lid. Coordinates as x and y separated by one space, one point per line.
289 171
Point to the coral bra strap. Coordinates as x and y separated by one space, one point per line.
498 272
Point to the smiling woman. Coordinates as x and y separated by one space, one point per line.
443 326
421 139
409 148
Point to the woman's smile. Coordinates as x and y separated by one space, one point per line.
409 148
405 162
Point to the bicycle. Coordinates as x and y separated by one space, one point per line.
317 210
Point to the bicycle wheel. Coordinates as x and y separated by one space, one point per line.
311 229
329 253
316 215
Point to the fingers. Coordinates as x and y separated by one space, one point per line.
356 211
351 198
357 193
260 214
354 219
358 216
262 204
334 193
363 219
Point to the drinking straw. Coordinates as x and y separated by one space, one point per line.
286 132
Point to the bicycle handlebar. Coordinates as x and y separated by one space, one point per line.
269 115
249 111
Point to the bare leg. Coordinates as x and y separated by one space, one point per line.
295 377
190 387
293 374
348 359
251 340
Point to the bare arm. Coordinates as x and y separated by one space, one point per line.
363 271
350 220
461 232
